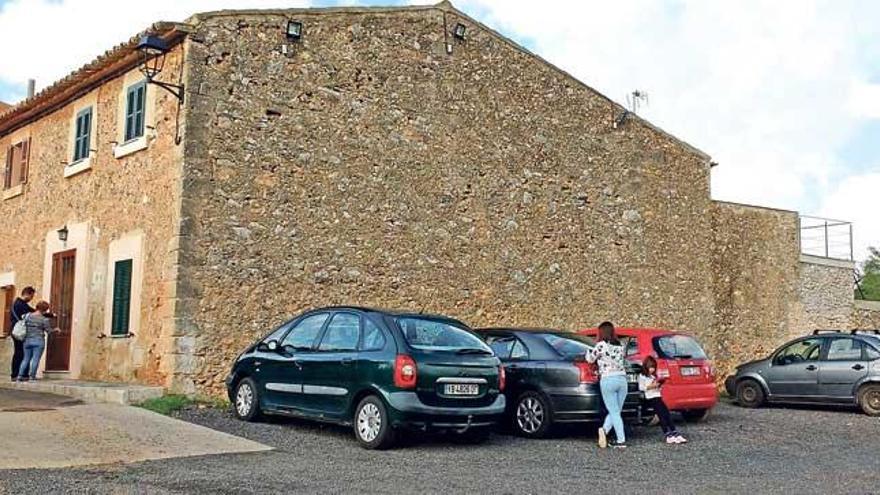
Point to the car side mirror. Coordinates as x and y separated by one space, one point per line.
271 346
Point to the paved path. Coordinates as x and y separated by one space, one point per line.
51 431
772 450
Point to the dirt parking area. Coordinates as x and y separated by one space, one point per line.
772 450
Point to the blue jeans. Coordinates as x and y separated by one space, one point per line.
614 390
33 351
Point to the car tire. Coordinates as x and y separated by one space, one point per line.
532 416
246 403
749 393
869 399
372 425
695 415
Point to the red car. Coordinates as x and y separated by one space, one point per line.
690 377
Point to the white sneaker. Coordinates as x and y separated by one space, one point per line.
680 439
671 440
603 438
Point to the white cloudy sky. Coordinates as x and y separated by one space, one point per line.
784 94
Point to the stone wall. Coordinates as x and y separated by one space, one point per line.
825 294
369 166
136 197
755 282
866 314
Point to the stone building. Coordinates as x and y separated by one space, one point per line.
395 157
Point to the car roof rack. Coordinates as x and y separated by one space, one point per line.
825 330
875 331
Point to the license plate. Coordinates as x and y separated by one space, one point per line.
632 378
690 371
461 389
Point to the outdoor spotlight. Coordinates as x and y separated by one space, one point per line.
62 234
459 31
294 30
153 50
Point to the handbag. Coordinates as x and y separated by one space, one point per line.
19 331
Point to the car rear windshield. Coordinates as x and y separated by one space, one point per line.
437 335
568 346
678 347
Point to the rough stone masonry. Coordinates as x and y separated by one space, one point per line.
381 161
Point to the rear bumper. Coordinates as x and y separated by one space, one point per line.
407 411
582 406
681 397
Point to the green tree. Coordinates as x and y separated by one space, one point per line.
869 286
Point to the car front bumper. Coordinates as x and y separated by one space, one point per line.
407 411
730 385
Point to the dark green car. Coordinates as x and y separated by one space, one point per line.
379 371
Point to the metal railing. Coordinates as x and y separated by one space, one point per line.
826 238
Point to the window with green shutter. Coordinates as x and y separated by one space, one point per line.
121 297
82 137
135 101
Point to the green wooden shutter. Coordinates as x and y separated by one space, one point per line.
135 103
81 143
121 297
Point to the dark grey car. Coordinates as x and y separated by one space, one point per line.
825 368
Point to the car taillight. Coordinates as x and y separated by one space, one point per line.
662 369
502 378
404 372
585 370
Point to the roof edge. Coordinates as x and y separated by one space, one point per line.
106 66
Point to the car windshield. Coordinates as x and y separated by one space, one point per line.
437 335
678 347
568 345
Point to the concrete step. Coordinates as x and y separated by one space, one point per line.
114 393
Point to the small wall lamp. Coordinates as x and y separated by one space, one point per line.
62 234
294 30
153 50
459 31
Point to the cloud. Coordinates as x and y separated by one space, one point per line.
773 90
854 199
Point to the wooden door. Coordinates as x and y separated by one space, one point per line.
9 300
61 299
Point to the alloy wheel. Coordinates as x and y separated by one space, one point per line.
873 399
749 393
530 415
244 399
369 422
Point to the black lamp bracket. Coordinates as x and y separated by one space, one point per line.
176 89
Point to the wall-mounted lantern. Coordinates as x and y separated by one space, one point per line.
459 31
62 233
294 30
153 50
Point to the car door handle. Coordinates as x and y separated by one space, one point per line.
811 367
257 363
347 361
858 367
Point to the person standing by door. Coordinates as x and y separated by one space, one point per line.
38 326
20 308
608 355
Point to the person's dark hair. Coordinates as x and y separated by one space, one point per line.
28 291
649 362
607 333
42 306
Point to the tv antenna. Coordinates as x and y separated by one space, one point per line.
635 99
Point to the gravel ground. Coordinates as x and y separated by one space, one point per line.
737 450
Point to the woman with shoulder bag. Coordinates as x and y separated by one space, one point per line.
37 325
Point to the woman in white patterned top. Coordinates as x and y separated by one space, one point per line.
608 355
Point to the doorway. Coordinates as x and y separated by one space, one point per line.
61 298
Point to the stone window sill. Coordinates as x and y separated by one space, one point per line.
13 192
78 167
133 146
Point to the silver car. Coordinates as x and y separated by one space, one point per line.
828 367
